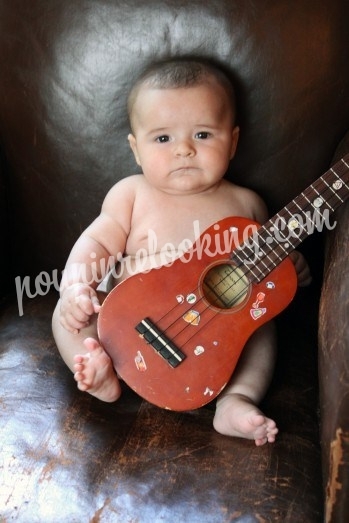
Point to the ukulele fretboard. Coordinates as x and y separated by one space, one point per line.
309 211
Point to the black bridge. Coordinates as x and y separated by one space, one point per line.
163 345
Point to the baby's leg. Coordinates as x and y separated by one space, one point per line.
83 354
237 413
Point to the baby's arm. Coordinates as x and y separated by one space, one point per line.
81 276
96 251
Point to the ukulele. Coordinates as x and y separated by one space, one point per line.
175 333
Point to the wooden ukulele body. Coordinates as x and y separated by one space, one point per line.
198 337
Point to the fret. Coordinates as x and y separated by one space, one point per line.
277 240
243 261
248 260
285 240
313 222
273 256
333 192
258 251
321 200
271 252
330 182
308 212
298 206
306 198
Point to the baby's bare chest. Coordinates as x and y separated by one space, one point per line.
173 226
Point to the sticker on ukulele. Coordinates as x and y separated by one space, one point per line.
192 317
260 299
140 362
191 298
208 392
258 313
199 349
337 185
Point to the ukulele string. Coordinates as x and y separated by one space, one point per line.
198 303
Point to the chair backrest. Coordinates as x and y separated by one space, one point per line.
67 67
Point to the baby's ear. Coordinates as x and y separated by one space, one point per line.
234 141
133 144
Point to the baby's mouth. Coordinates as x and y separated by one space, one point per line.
185 169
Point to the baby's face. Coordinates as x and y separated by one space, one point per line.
183 138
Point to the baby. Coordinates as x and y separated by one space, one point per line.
182 116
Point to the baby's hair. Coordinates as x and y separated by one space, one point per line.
181 73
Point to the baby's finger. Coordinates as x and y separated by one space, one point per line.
77 312
84 302
71 324
95 303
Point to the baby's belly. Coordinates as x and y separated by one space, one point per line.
131 265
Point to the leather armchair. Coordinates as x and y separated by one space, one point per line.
66 68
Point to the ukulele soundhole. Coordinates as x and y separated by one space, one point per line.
225 286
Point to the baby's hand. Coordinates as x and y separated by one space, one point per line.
78 303
302 268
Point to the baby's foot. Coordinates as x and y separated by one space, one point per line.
236 415
95 374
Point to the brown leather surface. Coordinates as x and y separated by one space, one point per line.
66 68
68 457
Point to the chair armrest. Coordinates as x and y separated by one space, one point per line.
334 364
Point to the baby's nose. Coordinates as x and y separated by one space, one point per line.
185 148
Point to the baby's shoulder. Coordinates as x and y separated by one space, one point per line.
122 195
252 204
129 182
230 189
126 187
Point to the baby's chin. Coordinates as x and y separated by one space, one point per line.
187 184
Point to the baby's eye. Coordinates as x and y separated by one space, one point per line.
202 135
163 139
